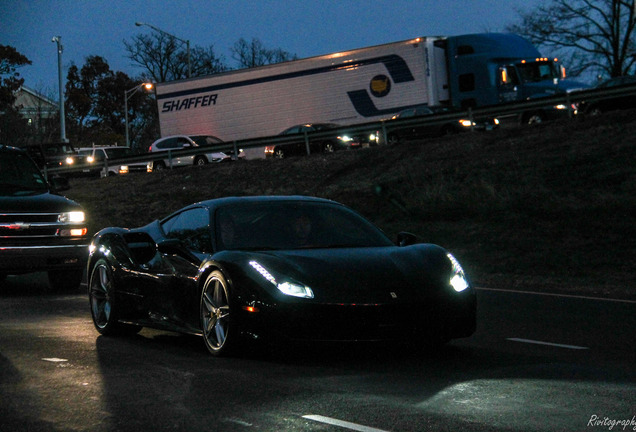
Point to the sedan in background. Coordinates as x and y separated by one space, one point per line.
610 103
335 141
181 142
432 129
242 270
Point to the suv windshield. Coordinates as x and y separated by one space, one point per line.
19 176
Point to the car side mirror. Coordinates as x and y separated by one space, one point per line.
406 239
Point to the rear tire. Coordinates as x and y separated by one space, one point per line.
279 153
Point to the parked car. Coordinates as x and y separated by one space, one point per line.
397 134
102 161
39 229
51 155
244 269
180 142
611 103
324 144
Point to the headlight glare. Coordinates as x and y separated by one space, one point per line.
288 288
458 278
74 216
295 290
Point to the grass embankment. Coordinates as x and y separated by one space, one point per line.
545 208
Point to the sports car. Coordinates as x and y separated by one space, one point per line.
242 270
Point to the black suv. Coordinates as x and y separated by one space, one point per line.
39 229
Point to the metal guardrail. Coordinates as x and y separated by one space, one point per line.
501 110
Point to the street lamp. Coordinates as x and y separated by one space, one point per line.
60 48
127 95
187 42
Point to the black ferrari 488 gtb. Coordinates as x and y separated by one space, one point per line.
244 269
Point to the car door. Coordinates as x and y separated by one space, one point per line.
187 243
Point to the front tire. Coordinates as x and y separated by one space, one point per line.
219 332
200 161
101 296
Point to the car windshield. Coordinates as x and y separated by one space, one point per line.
19 175
293 225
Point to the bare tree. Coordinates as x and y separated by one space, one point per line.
594 35
253 54
164 58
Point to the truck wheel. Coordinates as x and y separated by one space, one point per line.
65 280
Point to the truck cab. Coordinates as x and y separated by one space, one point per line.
495 68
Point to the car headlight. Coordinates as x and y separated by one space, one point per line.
288 288
90 159
458 278
345 138
466 123
74 216
70 160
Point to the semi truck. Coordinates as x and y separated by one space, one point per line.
362 85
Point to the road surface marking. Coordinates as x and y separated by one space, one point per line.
344 424
55 360
557 295
530 341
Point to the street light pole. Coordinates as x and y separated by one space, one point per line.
127 95
187 42
58 40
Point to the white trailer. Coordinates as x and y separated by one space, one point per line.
346 88
362 85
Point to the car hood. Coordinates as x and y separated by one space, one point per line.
360 275
43 202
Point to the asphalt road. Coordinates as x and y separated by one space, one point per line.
536 363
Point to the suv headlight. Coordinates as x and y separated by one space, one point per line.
72 217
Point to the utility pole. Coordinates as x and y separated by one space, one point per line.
58 40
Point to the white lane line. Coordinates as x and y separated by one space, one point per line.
341 423
536 342
55 360
558 295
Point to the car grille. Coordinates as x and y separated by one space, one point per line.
29 225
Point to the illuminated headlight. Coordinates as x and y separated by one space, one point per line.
90 159
70 160
496 121
458 278
373 137
345 138
75 216
561 107
288 288
466 123
123 169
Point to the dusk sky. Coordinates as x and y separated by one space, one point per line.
305 28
